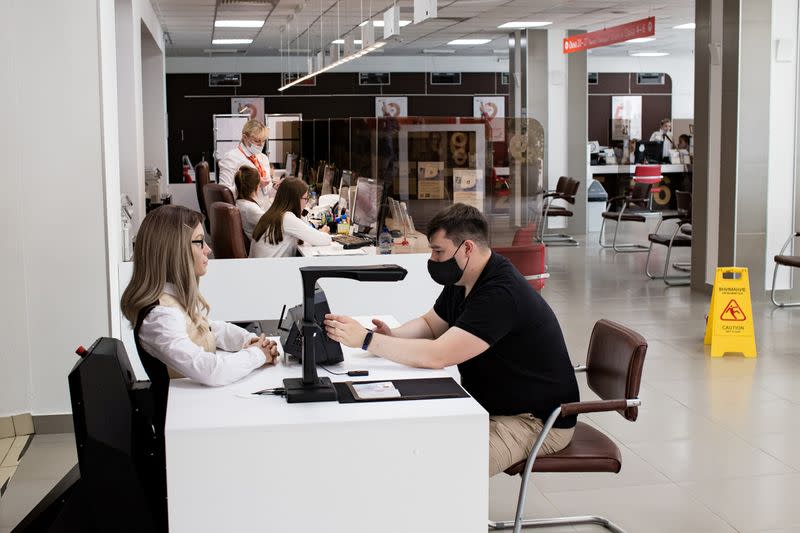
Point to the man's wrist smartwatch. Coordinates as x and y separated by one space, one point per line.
367 340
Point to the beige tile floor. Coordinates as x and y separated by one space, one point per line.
714 449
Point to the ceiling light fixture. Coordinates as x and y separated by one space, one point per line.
238 23
501 52
379 23
342 61
521 25
468 42
341 41
687 26
640 40
649 54
220 50
232 41
437 51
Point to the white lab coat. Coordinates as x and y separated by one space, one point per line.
294 230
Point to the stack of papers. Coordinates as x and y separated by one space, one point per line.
372 391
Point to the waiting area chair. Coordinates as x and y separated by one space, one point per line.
677 239
566 189
613 370
529 259
628 208
226 231
784 260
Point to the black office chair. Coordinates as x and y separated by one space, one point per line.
628 208
677 239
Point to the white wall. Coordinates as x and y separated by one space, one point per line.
133 19
371 63
154 104
55 281
557 101
679 67
782 140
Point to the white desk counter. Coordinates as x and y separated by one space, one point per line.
238 462
630 169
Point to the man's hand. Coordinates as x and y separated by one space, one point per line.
381 327
345 330
325 229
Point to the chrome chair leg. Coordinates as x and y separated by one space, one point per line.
775 276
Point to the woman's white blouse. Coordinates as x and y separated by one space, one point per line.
163 334
294 230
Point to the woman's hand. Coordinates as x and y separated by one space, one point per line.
381 327
269 347
345 330
325 229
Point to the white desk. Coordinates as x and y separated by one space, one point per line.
630 169
257 463
334 250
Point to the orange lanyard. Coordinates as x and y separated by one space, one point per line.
253 159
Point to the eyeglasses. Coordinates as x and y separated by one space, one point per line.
199 242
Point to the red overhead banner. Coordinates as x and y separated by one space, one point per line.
617 34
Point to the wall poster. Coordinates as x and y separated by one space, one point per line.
391 106
493 110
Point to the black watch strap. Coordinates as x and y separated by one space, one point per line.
367 340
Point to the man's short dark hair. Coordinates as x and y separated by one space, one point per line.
461 222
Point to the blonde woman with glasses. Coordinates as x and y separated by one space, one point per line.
169 314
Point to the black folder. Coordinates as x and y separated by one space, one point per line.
410 389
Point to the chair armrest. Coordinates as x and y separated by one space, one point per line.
597 406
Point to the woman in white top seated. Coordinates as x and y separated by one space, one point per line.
164 303
247 184
279 230
249 152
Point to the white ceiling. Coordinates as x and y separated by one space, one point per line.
189 24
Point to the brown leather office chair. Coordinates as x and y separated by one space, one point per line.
613 370
529 259
569 189
202 177
214 192
678 238
226 231
784 260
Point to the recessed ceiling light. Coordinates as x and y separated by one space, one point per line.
467 42
641 40
341 41
232 41
649 54
525 24
501 52
379 23
437 51
238 23
687 26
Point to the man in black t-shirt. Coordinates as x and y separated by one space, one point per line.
490 322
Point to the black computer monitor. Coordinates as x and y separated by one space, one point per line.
365 210
327 179
346 179
302 169
650 152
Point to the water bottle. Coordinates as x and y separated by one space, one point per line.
385 241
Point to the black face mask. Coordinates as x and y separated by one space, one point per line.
446 272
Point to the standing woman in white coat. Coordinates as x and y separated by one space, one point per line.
249 152
279 231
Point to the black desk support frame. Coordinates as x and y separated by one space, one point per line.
312 388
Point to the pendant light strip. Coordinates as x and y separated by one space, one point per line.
342 61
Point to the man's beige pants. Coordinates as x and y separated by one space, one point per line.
511 439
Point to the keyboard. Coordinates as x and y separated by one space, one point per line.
349 242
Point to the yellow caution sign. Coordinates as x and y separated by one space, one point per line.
729 328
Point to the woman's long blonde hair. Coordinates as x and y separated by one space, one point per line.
163 254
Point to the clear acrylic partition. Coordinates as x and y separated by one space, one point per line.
428 163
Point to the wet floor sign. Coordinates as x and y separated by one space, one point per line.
729 328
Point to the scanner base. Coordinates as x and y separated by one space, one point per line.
298 392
